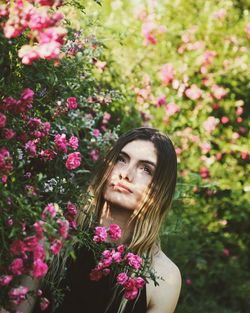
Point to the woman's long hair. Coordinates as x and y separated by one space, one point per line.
148 217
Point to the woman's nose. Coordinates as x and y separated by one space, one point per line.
127 173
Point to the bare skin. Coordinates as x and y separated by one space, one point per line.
125 189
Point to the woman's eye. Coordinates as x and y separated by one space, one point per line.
121 159
147 170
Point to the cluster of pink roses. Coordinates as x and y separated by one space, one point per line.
43 26
29 253
73 159
128 261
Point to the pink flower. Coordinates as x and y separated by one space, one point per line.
44 303
28 54
134 260
226 252
6 162
139 282
95 275
121 278
61 142
73 142
5 280
148 31
193 92
30 146
4 179
39 252
210 124
161 100
2 120
16 267
248 30
71 102
100 234
50 209
224 120
64 229
205 147
27 95
48 154
72 210
9 133
18 247
204 172
115 232
131 294
40 268
189 281
218 92
18 295
56 246
172 108
73 160
167 73
117 257
96 133
220 14
94 155
121 248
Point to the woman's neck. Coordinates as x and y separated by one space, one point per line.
120 216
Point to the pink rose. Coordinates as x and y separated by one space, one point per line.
131 294
40 268
61 142
73 142
167 73
94 155
18 295
210 124
48 154
134 260
16 267
193 92
18 247
64 229
9 133
72 104
44 303
161 101
204 172
2 120
5 280
100 234
96 132
73 160
56 246
39 252
115 232
172 108
218 92
121 248
117 257
30 146
121 278
72 210
139 282
50 209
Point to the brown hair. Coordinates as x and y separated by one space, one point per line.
148 217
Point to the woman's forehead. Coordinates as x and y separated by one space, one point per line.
141 150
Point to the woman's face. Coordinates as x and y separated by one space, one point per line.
131 175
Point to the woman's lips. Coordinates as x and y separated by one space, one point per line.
122 188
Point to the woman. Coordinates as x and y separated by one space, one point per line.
133 188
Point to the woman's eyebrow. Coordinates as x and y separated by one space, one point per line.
143 161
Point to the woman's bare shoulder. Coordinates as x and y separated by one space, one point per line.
163 298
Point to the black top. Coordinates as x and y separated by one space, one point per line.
85 296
